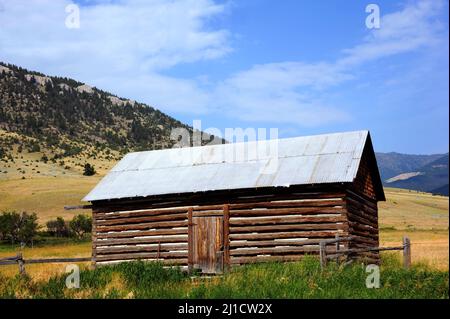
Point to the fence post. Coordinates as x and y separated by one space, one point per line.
190 240
21 264
406 252
323 254
337 248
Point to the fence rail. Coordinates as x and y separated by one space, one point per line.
20 261
337 252
325 254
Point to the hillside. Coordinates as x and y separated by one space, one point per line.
432 177
51 126
393 164
65 115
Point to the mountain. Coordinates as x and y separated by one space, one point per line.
393 164
432 177
52 125
66 116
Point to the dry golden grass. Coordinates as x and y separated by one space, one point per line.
405 209
30 165
45 271
421 216
46 196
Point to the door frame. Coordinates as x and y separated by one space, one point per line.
225 238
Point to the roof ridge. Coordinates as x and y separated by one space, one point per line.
255 141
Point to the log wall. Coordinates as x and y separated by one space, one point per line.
284 230
281 227
362 216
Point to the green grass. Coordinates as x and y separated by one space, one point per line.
302 279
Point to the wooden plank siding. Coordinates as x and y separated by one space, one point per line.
284 230
289 224
276 224
362 210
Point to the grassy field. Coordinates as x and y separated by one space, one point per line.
423 217
46 196
303 279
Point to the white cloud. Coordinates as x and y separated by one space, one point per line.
276 93
113 37
409 29
126 46
293 92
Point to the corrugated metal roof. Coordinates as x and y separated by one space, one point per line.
328 158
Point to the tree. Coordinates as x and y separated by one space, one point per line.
58 227
80 225
89 170
28 228
18 227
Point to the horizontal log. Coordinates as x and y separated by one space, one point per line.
259 259
287 211
201 208
361 211
152 225
368 249
134 220
76 207
352 217
273 251
363 205
362 227
146 255
273 228
361 198
8 262
167 262
57 260
363 234
207 213
360 239
134 248
150 240
271 243
156 232
285 220
294 203
281 235
220 197
140 213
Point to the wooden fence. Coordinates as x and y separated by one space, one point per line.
18 259
325 253
335 254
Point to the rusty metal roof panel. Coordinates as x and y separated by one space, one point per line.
328 158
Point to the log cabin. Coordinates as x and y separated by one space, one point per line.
212 207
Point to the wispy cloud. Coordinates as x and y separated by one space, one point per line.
292 92
409 29
126 46
113 36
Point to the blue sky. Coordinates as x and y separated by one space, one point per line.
304 67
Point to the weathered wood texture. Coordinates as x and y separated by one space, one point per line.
148 234
207 244
362 216
253 226
284 230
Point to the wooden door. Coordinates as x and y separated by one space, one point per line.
207 244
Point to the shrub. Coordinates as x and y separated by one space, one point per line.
89 170
80 225
58 227
18 227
